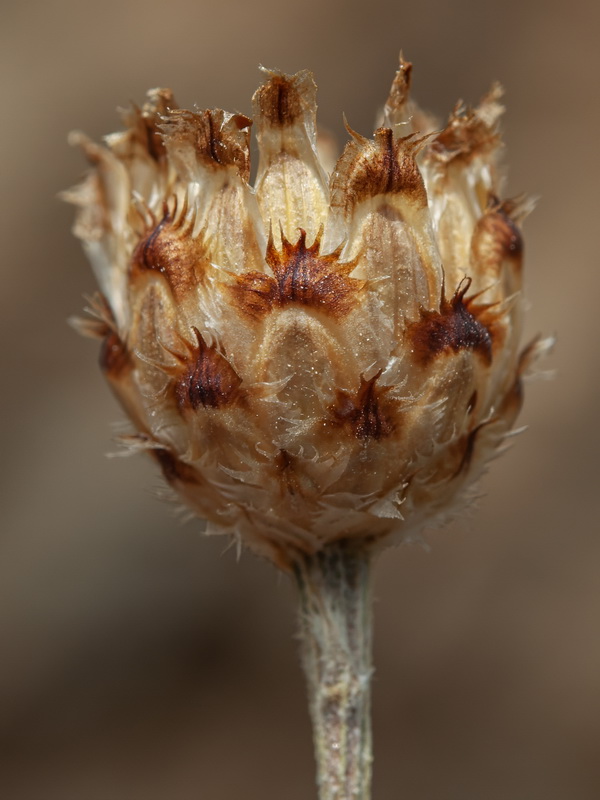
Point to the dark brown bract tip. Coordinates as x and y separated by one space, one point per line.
400 90
469 131
302 275
364 412
467 444
283 99
218 139
159 102
170 249
451 329
504 233
497 237
144 126
207 379
115 358
173 468
382 166
285 464
513 400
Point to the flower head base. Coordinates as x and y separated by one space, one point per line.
315 358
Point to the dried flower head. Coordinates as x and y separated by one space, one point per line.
318 357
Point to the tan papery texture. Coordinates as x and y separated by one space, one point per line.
319 356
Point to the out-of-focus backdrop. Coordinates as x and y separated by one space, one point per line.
141 661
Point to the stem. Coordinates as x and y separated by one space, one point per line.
335 627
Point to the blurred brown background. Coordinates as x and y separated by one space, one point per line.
137 660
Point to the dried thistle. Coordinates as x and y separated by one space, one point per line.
319 363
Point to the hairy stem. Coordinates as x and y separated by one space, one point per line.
336 632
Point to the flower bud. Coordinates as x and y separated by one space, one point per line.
319 357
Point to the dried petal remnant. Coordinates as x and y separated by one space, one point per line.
452 328
303 276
